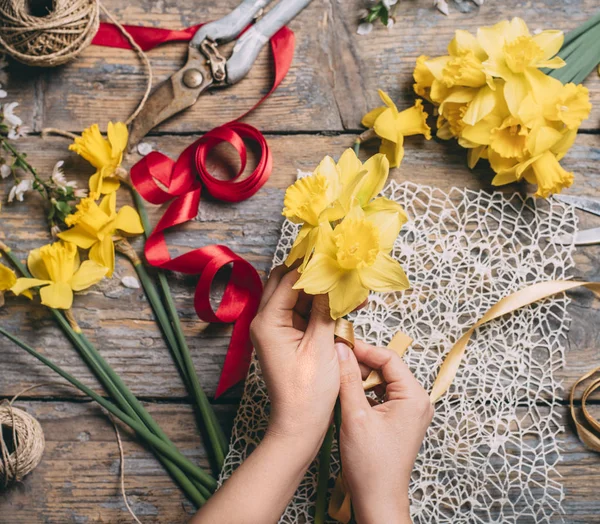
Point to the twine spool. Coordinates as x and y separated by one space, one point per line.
21 444
47 33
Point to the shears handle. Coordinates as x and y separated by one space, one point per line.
251 42
231 25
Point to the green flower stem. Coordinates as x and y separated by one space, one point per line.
182 355
357 146
118 390
578 31
170 452
323 480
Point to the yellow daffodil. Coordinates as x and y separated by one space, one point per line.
7 280
392 126
328 194
353 259
93 227
516 56
58 272
105 154
546 147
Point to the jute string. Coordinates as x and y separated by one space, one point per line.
28 444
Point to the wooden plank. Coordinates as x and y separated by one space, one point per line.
332 83
119 320
77 480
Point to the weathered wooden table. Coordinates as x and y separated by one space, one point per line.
316 111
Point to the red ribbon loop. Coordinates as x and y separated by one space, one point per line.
159 179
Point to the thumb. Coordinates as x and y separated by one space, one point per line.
352 395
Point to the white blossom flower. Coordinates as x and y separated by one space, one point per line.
389 3
58 176
18 132
144 148
364 29
441 6
390 23
5 171
3 93
130 282
19 190
9 115
80 193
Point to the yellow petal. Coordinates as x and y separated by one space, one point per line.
369 119
347 295
413 121
7 278
388 101
542 139
23 284
109 204
87 275
109 183
515 91
349 166
95 183
561 147
36 265
78 236
60 259
129 221
103 254
465 41
501 179
298 249
117 136
320 275
437 65
555 63
571 106
549 42
386 126
389 217
474 155
394 151
378 168
491 38
481 106
57 295
385 274
516 28
480 133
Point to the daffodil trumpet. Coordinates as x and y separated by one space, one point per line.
199 486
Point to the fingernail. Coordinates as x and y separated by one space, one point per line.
343 351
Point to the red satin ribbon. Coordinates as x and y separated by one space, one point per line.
183 181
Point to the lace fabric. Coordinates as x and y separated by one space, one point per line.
491 451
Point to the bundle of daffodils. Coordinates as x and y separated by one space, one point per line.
347 232
491 95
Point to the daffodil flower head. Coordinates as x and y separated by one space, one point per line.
58 272
351 260
93 227
105 154
509 139
423 77
571 107
7 280
392 126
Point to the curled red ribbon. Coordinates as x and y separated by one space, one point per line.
183 181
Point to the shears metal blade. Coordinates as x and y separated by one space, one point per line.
206 67
586 237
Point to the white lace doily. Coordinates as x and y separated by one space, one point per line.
491 451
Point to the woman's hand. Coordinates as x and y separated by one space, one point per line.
293 337
379 444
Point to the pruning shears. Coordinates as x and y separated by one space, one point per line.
586 237
206 67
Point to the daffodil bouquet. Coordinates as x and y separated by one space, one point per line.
493 96
347 232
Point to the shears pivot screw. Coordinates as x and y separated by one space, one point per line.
192 78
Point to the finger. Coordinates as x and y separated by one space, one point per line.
304 304
352 396
272 282
284 297
395 372
320 325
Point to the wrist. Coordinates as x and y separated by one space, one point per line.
305 446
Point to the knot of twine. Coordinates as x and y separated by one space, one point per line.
47 33
21 444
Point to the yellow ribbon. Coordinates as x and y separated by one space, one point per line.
340 503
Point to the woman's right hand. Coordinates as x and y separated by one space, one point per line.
379 443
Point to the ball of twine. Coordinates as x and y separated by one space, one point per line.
63 29
21 444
